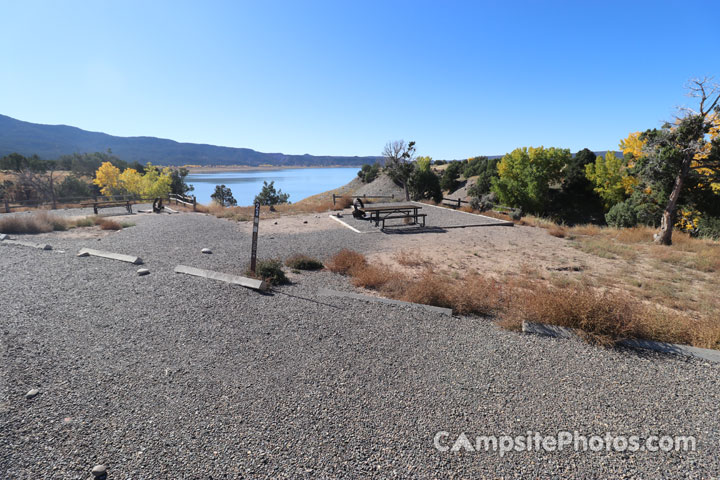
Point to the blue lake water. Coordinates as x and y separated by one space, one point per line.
298 182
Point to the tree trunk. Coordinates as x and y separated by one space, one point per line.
407 192
668 217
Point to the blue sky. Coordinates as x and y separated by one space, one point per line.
343 78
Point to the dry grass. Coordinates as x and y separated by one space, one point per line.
346 261
604 315
106 224
557 231
40 222
408 259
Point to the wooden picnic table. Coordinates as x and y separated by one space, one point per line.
379 213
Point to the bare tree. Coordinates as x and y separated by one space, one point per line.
685 148
398 162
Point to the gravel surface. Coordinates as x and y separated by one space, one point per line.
173 376
437 218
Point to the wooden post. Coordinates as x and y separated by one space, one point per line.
458 202
253 251
333 199
7 205
194 203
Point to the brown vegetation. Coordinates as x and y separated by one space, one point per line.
604 315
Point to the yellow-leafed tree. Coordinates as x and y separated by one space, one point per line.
107 178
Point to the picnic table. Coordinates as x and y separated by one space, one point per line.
382 212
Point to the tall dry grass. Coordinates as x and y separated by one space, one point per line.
39 222
604 316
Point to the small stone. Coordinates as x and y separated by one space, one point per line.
3 236
206 250
32 393
304 221
274 223
143 271
83 254
99 471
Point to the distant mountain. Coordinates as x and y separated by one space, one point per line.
52 141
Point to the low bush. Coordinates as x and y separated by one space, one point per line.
345 261
709 227
84 222
621 215
303 262
271 271
106 224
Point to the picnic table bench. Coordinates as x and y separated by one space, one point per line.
109 204
400 211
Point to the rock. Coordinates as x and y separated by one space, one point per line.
83 254
99 471
143 271
304 221
274 223
3 236
206 250
32 393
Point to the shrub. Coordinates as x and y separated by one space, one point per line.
271 271
621 215
345 261
368 172
303 262
709 227
106 224
84 222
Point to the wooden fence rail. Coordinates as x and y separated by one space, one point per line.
184 199
362 196
85 201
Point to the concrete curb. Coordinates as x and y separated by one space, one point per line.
223 277
334 293
706 354
114 256
41 246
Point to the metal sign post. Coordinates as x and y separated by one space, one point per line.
253 252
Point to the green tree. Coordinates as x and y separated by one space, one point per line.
177 181
399 166
574 178
485 169
368 172
450 176
269 196
423 182
223 196
525 174
687 151
610 178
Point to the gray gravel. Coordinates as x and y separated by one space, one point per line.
172 376
437 219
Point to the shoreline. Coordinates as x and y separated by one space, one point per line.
250 168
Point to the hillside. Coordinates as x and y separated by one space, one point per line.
52 141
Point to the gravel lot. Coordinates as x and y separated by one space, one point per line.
172 376
437 219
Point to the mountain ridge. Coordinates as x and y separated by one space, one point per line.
53 141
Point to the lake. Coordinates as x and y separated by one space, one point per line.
298 182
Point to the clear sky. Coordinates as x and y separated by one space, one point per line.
344 77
